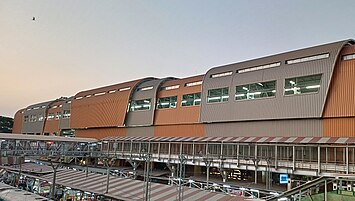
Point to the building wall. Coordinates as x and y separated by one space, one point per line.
100 133
182 130
144 117
37 126
64 123
339 113
146 131
18 121
280 107
180 114
272 128
52 125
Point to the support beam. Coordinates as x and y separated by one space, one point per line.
347 158
319 162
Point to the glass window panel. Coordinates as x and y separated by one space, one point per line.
167 102
137 105
66 114
218 95
255 90
302 85
191 99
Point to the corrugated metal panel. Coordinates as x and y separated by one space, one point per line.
187 130
297 128
146 131
146 117
52 125
104 110
339 127
18 120
187 114
341 97
64 123
37 126
100 133
301 106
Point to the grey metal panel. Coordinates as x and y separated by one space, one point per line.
280 107
146 117
146 131
37 126
272 128
65 123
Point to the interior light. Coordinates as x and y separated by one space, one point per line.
245 88
260 84
239 95
292 82
312 87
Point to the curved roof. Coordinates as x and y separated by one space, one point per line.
145 90
271 68
102 107
178 115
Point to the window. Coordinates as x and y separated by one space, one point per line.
310 58
218 95
259 67
170 87
302 85
66 114
348 57
58 115
167 102
33 118
145 88
50 116
255 90
124 89
191 99
26 119
222 74
191 84
100 94
140 105
40 117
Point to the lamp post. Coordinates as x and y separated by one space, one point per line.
147 158
55 166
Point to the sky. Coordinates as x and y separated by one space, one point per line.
83 44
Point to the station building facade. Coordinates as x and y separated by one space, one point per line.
303 93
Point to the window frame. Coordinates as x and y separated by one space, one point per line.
130 105
170 98
261 98
221 97
308 93
194 98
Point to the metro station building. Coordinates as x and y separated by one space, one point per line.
290 113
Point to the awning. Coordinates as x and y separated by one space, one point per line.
285 140
128 189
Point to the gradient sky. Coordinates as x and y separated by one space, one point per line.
79 44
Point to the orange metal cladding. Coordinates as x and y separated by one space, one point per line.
17 127
183 130
339 113
102 110
100 133
179 115
52 125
